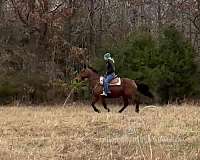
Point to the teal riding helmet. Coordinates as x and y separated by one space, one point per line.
107 56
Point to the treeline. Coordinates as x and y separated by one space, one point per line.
45 43
166 64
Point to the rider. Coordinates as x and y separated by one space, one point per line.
110 74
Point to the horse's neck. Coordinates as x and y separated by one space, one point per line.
94 79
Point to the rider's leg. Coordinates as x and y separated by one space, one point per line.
107 80
104 87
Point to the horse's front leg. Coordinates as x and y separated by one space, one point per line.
94 100
104 103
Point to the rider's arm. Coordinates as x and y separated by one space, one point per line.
110 67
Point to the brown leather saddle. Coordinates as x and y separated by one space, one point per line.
114 82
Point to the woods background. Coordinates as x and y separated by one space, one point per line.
45 43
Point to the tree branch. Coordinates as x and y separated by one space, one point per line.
18 13
57 7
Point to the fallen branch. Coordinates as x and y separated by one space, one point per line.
147 107
68 97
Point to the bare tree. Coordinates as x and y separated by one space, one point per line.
92 28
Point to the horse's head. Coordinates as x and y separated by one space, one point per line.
87 73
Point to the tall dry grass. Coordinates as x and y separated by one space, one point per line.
76 132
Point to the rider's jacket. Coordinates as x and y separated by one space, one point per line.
110 67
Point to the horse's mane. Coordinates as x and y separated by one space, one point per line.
94 70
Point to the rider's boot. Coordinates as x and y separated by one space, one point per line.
104 94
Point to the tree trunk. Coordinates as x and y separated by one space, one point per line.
101 24
159 18
92 29
172 14
68 25
190 28
1 4
198 33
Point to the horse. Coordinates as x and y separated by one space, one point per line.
128 90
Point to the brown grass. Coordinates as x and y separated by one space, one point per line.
76 132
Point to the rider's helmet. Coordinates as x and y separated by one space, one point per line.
107 56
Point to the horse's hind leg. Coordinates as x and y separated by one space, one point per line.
137 107
104 104
137 103
94 100
125 104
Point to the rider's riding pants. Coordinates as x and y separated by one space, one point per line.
106 82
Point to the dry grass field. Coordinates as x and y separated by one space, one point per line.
76 132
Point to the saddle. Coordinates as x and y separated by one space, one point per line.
114 82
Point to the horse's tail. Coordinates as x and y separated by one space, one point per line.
144 89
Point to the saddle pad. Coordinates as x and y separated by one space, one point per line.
114 82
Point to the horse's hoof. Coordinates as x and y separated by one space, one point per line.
120 111
137 111
97 111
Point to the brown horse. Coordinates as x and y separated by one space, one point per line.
128 90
